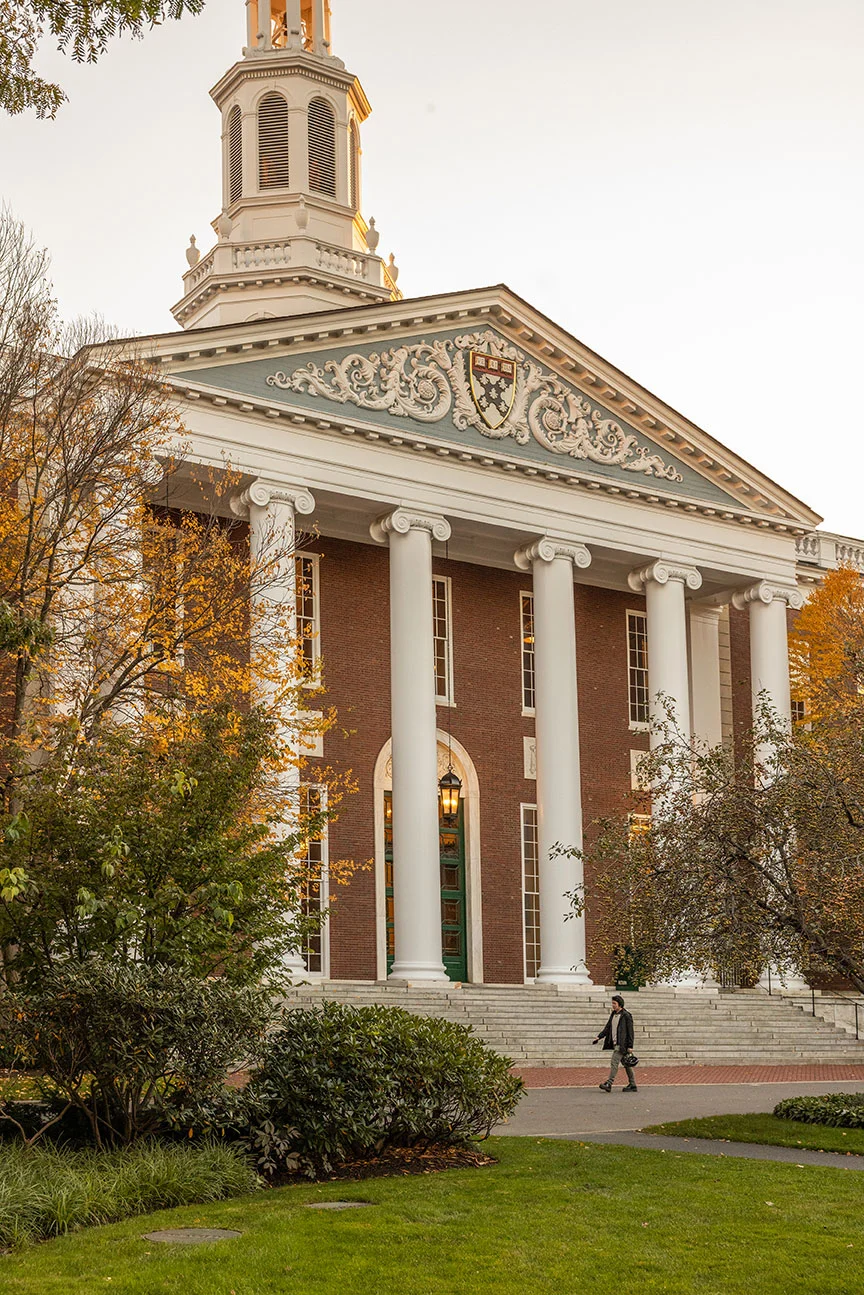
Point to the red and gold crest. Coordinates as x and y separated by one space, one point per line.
493 386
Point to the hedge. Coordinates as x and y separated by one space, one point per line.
839 1110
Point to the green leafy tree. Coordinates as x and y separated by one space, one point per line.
81 30
171 847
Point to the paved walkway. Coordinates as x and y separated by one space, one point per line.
589 1077
732 1150
580 1111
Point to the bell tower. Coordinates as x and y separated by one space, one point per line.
290 237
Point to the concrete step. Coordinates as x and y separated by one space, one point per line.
544 1025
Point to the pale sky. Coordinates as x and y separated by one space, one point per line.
678 183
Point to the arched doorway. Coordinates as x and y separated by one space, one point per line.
460 866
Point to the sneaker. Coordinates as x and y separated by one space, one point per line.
631 1088
607 1088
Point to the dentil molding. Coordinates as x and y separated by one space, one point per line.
660 573
403 520
546 550
262 494
764 591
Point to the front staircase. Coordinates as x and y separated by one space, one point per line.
542 1025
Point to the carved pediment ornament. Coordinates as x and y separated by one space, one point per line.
428 381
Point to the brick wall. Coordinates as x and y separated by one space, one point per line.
486 719
605 739
739 651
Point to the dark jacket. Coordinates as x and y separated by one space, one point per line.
625 1032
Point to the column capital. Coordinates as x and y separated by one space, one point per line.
403 520
547 549
262 493
660 572
767 592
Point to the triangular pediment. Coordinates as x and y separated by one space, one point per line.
530 393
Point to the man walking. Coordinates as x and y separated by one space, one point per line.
617 1035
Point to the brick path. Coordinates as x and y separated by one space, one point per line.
583 1077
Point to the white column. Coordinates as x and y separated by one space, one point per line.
318 29
271 509
668 684
416 851
769 645
251 24
559 789
294 23
769 682
705 673
265 22
664 584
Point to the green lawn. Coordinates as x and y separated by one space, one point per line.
766 1129
551 1217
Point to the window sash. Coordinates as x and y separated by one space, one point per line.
308 612
315 857
530 890
526 608
442 630
637 669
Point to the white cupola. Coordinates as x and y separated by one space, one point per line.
290 236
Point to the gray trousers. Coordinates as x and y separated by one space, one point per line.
615 1060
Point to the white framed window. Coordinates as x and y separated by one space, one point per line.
526 612
637 669
442 623
315 857
530 890
162 565
309 613
638 824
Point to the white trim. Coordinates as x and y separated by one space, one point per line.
529 980
636 758
447 698
381 782
314 640
324 895
636 725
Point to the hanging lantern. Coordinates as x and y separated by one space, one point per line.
449 787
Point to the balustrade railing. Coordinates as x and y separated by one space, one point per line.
830 551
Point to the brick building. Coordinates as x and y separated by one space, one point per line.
516 546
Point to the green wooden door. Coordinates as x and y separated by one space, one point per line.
454 928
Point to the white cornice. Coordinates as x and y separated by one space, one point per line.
760 499
238 280
493 460
284 63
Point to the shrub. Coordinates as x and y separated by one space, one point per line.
840 1110
126 1045
48 1191
339 1083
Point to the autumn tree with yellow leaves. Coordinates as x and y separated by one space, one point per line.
150 760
